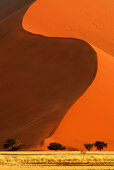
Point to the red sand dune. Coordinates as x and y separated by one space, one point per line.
41 78
92 117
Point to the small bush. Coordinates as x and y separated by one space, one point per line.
88 159
77 159
2 160
10 160
98 159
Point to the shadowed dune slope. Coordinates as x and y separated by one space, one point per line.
40 79
8 7
91 118
91 20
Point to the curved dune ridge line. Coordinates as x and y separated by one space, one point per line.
41 78
91 20
91 118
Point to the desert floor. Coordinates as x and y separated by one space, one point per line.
14 160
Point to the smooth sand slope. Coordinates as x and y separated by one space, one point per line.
40 79
91 20
91 118
8 7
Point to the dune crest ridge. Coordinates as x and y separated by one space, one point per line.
91 20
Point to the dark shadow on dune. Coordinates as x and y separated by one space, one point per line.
40 79
8 7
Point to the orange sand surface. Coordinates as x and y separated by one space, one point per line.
92 117
91 20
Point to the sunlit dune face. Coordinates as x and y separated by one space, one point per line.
91 118
73 18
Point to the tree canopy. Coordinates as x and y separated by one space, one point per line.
56 146
100 145
88 146
11 144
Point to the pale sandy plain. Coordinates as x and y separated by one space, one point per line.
91 118
55 168
57 160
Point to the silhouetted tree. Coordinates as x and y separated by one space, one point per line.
88 146
56 146
11 144
100 145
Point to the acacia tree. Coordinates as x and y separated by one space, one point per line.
88 146
56 146
100 145
11 144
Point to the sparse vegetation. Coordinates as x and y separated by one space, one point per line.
56 146
11 144
58 159
88 146
61 159
100 145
